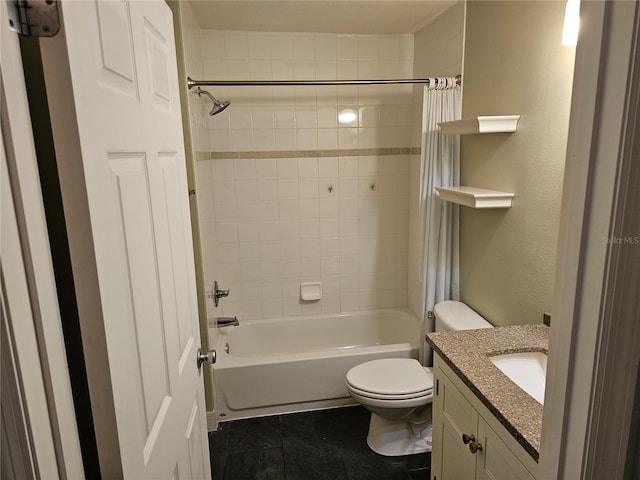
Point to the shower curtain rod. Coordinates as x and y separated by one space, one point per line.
300 83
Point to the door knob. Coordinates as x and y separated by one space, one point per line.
208 357
467 439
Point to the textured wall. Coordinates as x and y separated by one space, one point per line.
438 49
437 52
514 64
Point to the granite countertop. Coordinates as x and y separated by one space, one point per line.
467 352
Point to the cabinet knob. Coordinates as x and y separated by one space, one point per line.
471 441
475 447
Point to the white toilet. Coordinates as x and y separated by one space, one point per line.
398 391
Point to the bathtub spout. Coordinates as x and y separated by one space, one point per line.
226 321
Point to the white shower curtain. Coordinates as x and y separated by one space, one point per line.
440 166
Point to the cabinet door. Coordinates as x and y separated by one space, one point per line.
496 461
453 416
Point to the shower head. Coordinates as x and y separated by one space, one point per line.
218 106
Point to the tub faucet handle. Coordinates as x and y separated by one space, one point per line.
216 293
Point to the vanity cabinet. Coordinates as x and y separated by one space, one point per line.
468 441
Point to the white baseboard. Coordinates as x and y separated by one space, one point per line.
212 421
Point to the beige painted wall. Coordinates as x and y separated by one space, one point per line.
514 64
437 51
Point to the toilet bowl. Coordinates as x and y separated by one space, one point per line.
398 391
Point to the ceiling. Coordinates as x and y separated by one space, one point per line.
344 16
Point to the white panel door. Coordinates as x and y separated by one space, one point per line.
113 93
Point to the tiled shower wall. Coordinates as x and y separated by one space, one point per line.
306 183
303 118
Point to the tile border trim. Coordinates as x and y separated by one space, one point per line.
345 152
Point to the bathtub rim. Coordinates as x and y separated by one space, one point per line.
321 315
224 358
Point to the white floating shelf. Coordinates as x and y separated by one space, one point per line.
481 124
475 197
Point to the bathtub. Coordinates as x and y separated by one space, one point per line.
286 365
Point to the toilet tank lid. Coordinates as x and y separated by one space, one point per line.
455 315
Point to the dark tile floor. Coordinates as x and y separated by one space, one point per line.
320 445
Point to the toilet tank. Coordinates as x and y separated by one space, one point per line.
451 315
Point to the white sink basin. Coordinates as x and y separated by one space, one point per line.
528 370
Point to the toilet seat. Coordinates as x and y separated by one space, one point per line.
425 393
391 379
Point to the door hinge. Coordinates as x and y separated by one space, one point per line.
34 18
